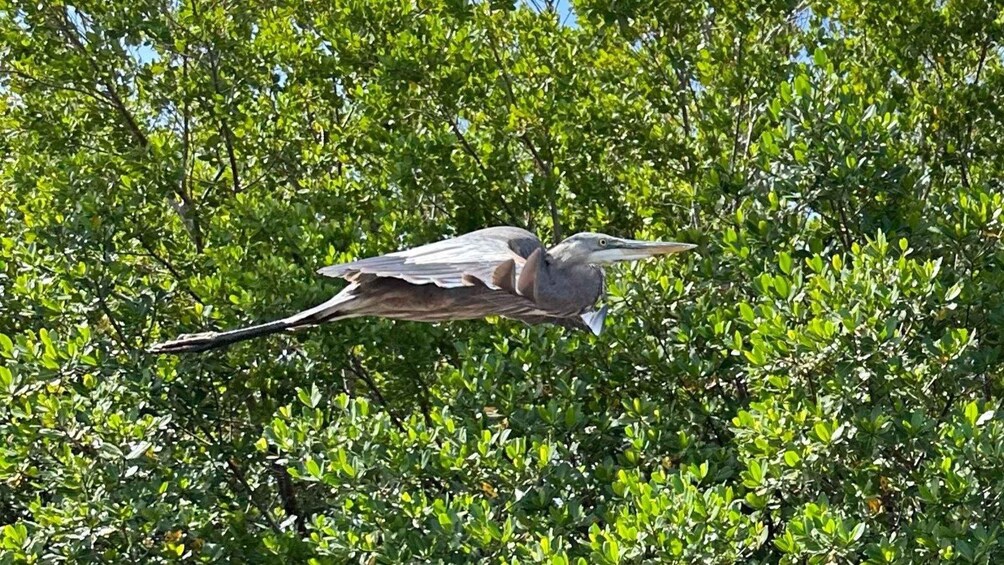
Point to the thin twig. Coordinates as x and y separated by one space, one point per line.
741 108
288 496
238 473
69 30
357 369
171 269
111 94
467 146
228 136
542 166
103 306
97 95
967 149
469 149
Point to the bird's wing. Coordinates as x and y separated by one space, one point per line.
493 257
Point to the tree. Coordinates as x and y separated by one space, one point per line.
820 381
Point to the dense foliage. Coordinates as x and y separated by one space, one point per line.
819 381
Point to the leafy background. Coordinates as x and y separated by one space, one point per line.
819 382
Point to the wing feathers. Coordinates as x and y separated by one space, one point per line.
504 276
492 257
527 283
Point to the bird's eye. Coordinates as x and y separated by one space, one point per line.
603 243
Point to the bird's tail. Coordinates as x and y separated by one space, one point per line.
193 343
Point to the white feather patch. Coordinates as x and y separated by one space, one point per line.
594 319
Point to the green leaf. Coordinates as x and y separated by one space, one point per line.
815 263
984 418
822 431
746 311
311 399
43 335
791 458
785 92
6 378
802 85
820 58
784 261
138 450
781 286
313 468
304 397
953 292
858 531
755 356
972 412
15 536
611 550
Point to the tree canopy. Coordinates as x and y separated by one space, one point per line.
819 381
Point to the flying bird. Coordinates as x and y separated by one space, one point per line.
499 271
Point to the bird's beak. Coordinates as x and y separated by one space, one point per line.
633 250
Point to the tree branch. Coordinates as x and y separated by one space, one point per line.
288 496
742 106
546 170
466 145
171 269
469 149
97 95
186 136
112 94
357 369
967 148
228 136
238 474
103 306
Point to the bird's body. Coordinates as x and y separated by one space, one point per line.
501 271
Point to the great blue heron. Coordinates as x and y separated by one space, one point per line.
501 271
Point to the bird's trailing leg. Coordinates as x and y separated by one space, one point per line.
194 343
333 309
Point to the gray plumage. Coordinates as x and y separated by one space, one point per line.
501 271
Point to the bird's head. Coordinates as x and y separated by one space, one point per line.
601 249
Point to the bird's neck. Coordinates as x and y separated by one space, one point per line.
566 263
562 255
